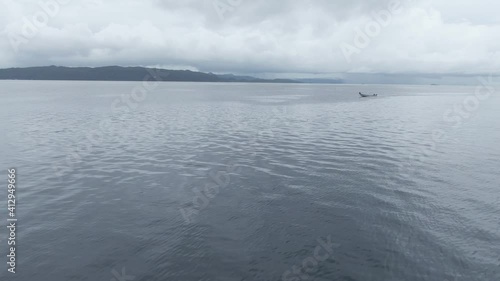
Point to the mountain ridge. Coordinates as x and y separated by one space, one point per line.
120 73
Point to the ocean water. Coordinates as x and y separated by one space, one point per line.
198 181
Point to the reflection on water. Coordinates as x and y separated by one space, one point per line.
262 172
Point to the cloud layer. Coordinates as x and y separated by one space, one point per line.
258 36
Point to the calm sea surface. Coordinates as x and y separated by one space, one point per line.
200 181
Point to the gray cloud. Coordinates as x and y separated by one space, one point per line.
289 36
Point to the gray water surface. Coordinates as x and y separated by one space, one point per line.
206 181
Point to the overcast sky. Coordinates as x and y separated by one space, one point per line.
256 36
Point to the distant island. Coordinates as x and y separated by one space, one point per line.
118 73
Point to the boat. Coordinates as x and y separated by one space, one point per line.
367 96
